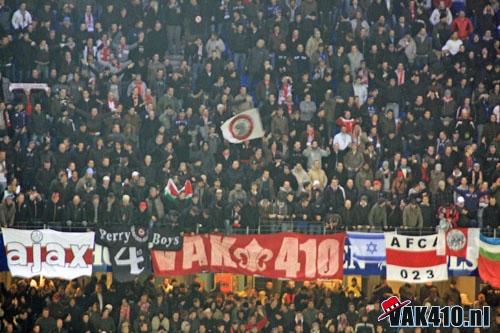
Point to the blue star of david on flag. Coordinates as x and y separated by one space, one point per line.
371 248
367 246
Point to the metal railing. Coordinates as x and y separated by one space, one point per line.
264 226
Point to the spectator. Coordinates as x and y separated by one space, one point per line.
412 215
462 25
378 215
357 101
21 18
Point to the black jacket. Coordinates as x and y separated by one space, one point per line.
491 216
333 199
54 212
361 214
75 213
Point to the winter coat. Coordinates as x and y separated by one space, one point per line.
334 198
378 216
354 160
256 59
318 175
412 217
361 215
491 216
361 177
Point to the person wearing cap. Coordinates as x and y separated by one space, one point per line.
86 184
135 175
104 187
35 205
465 217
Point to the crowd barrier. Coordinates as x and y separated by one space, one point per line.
266 226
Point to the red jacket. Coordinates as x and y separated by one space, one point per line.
463 26
348 123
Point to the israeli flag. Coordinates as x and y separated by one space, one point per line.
367 246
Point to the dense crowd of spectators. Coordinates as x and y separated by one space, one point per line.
173 307
377 113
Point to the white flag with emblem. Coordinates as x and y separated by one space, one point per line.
242 127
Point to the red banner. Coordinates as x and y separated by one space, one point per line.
283 255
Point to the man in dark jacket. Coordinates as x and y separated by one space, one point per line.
428 213
54 211
75 211
334 196
46 322
256 59
142 215
491 214
347 215
111 213
361 212
105 323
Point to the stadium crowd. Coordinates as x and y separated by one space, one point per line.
378 114
173 307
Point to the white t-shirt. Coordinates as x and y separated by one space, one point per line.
452 46
343 140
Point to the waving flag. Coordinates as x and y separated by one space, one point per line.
242 127
489 260
172 193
